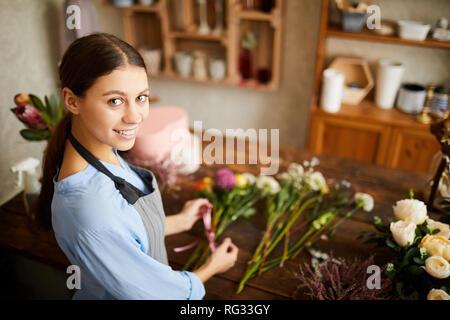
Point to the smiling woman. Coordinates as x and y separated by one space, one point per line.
107 215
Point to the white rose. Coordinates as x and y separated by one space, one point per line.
367 200
444 229
251 179
436 246
317 182
437 267
403 232
273 184
437 294
411 210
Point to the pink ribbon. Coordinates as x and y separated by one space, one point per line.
210 235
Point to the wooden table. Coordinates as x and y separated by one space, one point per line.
386 185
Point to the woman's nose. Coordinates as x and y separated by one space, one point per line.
132 114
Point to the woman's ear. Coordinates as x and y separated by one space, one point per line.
71 101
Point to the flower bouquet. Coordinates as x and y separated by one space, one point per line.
421 247
232 198
300 190
39 118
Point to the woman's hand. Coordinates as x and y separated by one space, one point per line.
187 217
222 259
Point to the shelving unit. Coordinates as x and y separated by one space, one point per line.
366 132
154 26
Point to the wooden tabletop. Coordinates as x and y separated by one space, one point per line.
386 185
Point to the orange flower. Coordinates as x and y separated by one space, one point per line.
203 184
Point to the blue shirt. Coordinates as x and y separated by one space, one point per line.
101 233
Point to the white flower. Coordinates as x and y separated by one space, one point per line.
317 182
263 181
437 294
403 232
367 200
436 246
437 267
251 179
444 229
411 210
296 171
314 162
284 176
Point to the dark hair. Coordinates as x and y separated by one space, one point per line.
85 60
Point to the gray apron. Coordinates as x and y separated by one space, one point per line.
149 207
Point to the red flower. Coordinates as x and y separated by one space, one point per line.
30 116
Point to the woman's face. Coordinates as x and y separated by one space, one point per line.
115 106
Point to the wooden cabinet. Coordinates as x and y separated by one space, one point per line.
373 135
365 132
173 26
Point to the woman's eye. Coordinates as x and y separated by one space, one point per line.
115 101
142 98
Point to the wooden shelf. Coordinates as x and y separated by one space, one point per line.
334 30
368 111
255 15
250 84
197 36
138 8
157 31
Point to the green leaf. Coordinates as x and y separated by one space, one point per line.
391 244
34 134
418 261
415 270
47 119
411 193
52 108
37 103
60 110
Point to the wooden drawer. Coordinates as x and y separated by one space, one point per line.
349 139
412 150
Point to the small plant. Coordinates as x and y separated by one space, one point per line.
39 118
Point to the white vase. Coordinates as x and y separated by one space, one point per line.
332 90
146 2
183 62
217 69
152 59
389 78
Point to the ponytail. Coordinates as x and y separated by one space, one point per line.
52 160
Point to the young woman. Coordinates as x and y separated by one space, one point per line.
107 215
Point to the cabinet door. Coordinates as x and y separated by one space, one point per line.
412 150
349 139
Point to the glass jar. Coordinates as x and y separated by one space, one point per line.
443 190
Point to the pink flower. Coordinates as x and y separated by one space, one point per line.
224 178
30 116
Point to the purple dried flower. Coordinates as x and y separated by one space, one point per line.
340 279
225 179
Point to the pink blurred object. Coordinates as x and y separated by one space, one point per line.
165 145
164 128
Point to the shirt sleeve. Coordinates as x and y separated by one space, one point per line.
115 259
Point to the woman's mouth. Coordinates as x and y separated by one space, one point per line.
126 134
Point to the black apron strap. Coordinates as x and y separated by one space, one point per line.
128 191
